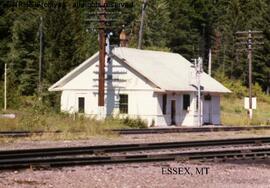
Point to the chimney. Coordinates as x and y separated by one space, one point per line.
123 39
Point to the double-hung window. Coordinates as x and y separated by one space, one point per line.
123 103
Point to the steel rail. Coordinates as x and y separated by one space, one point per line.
188 129
101 149
145 130
25 133
232 154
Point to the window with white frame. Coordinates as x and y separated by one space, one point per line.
123 103
81 104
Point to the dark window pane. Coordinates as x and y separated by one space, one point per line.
109 77
123 104
186 102
81 104
173 112
197 102
207 97
164 103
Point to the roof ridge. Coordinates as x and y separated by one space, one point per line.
147 50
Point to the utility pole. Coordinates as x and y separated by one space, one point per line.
199 70
203 42
250 42
101 80
104 25
141 25
40 58
209 62
250 73
5 88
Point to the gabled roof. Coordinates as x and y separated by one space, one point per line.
75 72
168 71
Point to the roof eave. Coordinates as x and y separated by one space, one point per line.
55 89
188 90
56 86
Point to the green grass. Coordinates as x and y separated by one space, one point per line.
233 112
39 118
72 127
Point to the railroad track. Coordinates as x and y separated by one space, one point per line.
11 159
25 133
144 131
188 129
255 153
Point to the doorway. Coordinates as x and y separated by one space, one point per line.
207 109
173 112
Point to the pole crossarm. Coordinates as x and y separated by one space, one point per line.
247 32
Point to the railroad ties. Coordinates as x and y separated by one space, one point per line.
153 152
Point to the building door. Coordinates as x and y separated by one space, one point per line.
173 112
207 110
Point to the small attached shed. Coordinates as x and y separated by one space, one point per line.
158 87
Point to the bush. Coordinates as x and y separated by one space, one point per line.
134 123
236 86
240 91
238 109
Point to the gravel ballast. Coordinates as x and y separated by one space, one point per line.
150 175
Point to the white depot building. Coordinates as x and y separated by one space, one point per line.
159 87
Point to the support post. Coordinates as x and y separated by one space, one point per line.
198 69
199 90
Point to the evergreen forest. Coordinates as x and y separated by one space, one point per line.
188 27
